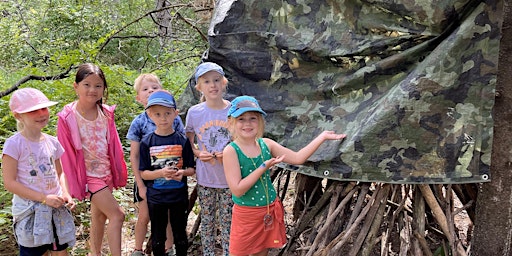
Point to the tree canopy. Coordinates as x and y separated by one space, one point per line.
44 41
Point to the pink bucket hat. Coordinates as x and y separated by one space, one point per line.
29 99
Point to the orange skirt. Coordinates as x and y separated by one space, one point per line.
250 235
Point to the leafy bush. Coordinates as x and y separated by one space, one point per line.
47 37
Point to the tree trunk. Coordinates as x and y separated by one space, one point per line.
493 224
164 21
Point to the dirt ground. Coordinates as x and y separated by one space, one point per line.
8 247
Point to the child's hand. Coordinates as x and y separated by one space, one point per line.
218 156
206 156
69 202
178 175
273 161
211 158
168 172
54 201
330 135
71 205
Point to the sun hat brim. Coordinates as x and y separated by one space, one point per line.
36 107
241 111
160 102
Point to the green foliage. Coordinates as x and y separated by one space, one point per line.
47 37
440 251
5 215
65 32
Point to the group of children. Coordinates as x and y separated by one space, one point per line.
221 143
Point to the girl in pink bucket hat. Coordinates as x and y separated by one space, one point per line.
32 171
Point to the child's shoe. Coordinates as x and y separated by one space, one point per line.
138 253
170 252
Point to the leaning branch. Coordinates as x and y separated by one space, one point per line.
203 36
25 79
113 35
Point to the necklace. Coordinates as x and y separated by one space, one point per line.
91 116
80 110
267 219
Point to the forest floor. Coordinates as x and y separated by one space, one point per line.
125 197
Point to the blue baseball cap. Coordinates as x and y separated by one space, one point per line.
207 67
162 98
244 104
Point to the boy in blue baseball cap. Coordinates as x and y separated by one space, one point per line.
145 84
166 159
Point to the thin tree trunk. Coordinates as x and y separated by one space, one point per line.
493 225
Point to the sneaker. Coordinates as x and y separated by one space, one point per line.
170 252
138 253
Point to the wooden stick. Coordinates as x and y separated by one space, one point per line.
329 221
436 209
423 244
440 217
405 236
359 203
194 230
339 241
302 223
419 220
335 201
369 237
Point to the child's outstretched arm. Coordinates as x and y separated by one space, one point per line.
299 157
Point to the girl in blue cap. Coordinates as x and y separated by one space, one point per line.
258 216
207 126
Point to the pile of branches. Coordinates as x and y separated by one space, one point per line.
357 218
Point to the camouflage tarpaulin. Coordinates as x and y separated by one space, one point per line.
411 83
